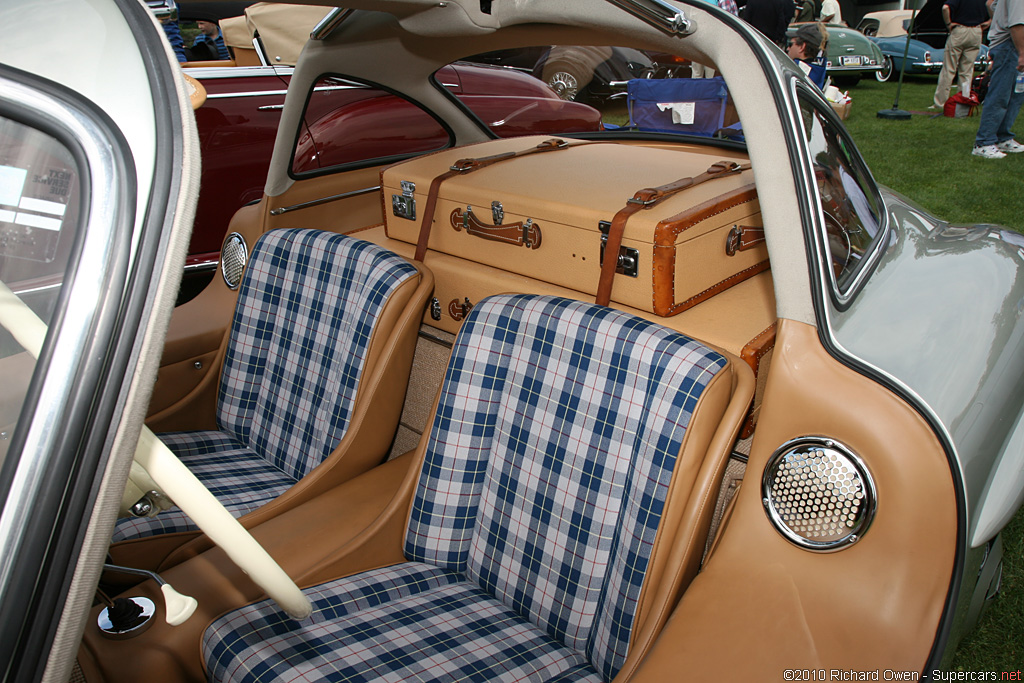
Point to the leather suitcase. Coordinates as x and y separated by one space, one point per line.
547 216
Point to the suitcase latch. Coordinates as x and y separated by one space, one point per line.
629 258
404 205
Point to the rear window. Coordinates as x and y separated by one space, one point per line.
560 89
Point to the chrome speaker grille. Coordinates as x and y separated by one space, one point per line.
818 494
233 255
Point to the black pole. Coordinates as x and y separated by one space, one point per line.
897 114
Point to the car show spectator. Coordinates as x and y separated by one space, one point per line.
1002 102
173 33
831 13
805 11
966 20
805 48
209 44
770 17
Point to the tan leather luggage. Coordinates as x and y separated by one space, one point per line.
689 217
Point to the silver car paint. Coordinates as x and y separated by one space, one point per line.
954 297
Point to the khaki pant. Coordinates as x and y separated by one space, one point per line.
962 48
701 71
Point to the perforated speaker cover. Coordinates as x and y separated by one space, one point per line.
233 255
818 494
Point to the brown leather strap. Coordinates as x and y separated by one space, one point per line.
742 238
461 167
646 199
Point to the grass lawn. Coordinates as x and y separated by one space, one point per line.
928 158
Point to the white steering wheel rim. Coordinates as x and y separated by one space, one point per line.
178 483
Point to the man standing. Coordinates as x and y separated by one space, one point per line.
831 13
965 19
1006 48
770 17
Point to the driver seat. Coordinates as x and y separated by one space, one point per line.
561 508
313 378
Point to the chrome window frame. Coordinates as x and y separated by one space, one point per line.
51 419
842 296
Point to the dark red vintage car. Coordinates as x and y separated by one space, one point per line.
346 123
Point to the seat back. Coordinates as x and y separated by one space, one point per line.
307 308
550 460
677 105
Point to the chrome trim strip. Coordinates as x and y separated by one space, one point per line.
260 52
329 23
251 93
98 248
208 73
324 200
201 266
659 14
36 290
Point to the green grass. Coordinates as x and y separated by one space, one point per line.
998 643
928 158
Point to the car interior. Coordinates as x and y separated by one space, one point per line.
480 443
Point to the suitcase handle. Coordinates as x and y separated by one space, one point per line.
518 234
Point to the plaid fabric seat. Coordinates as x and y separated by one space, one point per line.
533 525
307 308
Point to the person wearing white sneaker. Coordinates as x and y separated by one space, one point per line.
1006 40
1002 103
988 152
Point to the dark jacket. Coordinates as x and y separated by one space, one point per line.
770 17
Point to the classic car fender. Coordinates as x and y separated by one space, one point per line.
956 294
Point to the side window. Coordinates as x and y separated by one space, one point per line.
40 193
352 123
850 206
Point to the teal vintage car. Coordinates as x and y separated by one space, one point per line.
850 55
928 33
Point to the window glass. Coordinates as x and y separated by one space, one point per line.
558 89
349 123
849 203
39 210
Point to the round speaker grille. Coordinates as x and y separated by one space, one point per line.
818 494
233 255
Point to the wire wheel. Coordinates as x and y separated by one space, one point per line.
565 84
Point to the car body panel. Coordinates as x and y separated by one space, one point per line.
982 315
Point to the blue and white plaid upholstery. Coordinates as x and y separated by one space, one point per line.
543 485
238 477
307 308
410 622
306 312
